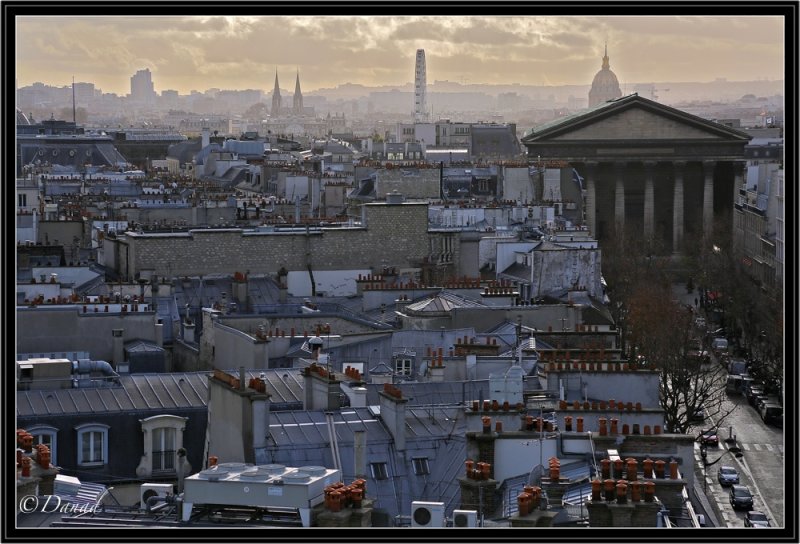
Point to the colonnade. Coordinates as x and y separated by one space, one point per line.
621 170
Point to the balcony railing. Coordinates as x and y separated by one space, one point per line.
164 461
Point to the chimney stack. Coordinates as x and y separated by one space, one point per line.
159 333
393 414
360 447
117 349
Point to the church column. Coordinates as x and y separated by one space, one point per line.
649 201
677 206
591 168
708 197
619 197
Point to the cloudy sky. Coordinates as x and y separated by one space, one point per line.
198 53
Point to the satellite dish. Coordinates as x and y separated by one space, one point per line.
535 476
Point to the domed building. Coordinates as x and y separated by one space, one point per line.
22 119
605 86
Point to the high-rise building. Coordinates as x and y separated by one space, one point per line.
142 89
605 86
276 98
297 103
420 92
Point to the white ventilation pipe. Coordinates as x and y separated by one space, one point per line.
87 366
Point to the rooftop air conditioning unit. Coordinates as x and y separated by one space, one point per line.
427 514
153 490
465 518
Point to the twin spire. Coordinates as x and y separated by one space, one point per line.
297 100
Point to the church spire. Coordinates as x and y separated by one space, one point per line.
276 97
605 58
297 103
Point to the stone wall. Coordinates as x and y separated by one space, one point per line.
42 330
410 182
393 235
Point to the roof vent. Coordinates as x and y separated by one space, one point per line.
395 197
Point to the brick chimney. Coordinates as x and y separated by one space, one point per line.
321 387
436 369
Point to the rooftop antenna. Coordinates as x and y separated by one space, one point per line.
73 100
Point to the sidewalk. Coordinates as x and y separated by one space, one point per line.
680 294
706 508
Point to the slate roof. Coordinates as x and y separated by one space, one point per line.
136 392
154 391
184 151
434 392
519 270
435 433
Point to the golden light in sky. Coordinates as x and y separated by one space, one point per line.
243 52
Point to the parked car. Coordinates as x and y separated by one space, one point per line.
699 414
727 475
754 518
772 413
733 385
740 497
754 393
766 399
719 345
709 438
700 322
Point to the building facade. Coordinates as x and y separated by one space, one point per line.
758 224
142 89
648 167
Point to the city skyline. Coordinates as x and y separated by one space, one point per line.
198 53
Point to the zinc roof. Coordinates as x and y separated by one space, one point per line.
138 392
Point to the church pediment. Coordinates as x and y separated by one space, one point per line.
632 118
636 124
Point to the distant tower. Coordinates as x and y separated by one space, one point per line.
605 86
420 84
276 97
142 89
297 104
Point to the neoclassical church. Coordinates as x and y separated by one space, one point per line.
605 86
647 166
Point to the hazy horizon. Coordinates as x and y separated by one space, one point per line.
200 53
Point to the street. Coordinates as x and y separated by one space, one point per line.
761 465
760 468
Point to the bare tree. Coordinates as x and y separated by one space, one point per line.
661 333
659 330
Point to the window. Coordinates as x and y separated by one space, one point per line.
22 200
421 466
163 437
402 366
163 449
92 444
379 471
45 435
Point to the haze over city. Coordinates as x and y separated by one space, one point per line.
196 53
